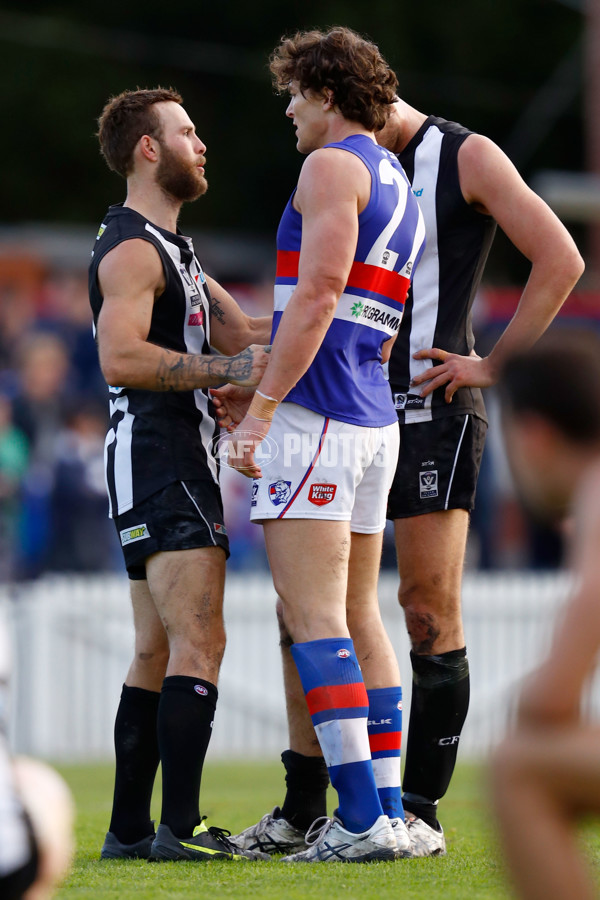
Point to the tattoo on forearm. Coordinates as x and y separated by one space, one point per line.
217 310
184 372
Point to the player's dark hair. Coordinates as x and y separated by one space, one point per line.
559 379
339 60
125 119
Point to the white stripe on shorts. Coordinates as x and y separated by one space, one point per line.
462 434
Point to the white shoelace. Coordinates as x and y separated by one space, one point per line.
318 830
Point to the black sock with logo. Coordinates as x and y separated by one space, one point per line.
136 752
439 705
306 779
185 717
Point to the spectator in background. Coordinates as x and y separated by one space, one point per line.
39 410
13 464
81 537
547 774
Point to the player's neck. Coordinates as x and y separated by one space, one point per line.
153 204
409 120
341 128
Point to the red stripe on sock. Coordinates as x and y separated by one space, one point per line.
337 696
389 740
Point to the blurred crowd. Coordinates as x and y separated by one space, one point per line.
53 421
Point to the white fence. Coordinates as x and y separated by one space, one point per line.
73 640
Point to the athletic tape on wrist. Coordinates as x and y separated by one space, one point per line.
263 407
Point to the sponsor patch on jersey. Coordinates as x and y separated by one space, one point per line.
254 493
389 258
428 484
101 231
280 492
409 401
130 535
219 528
320 494
196 318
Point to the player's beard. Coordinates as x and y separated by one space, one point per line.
180 180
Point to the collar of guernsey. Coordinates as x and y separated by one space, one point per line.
346 380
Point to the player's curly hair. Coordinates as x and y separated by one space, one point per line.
123 121
339 60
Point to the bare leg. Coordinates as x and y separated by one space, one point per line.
373 646
151 644
431 552
187 589
543 781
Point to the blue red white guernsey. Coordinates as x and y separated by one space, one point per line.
346 380
158 437
438 307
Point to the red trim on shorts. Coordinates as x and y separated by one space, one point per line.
309 470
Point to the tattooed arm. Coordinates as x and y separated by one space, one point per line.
230 328
131 277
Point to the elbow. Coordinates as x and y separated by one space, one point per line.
115 373
572 266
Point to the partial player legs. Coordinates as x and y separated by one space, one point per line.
312 587
430 550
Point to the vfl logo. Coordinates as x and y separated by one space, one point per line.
200 689
254 493
280 492
320 494
343 654
428 484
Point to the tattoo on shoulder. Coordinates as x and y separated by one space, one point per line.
217 310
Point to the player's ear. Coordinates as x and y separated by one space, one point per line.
328 99
148 147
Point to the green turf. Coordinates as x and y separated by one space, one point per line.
235 795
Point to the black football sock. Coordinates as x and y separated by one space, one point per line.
185 716
136 751
306 781
440 700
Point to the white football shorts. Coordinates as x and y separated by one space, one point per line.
315 467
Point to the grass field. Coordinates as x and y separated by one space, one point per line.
235 795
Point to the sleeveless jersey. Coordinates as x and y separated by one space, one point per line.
157 437
346 380
438 307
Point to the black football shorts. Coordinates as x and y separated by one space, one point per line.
438 466
181 516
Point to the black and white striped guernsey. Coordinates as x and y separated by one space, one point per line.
157 437
438 307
